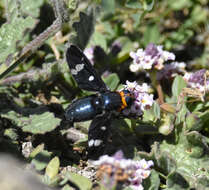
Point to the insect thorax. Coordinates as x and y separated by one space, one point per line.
111 101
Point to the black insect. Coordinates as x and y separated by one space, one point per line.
100 107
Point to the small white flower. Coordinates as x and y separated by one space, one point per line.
133 55
179 65
146 101
147 65
168 56
131 85
134 67
187 76
143 88
207 85
137 187
144 164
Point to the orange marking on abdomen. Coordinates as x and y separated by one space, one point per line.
123 99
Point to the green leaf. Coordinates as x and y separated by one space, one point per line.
185 150
72 4
151 35
51 181
166 124
133 4
11 133
176 181
165 162
193 122
148 5
152 182
181 114
67 187
37 150
31 7
52 168
179 4
41 124
136 17
196 138
41 160
153 113
199 15
156 110
99 39
178 85
81 182
203 182
13 31
205 119
36 124
108 7
127 46
112 81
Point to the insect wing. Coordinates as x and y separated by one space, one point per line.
98 135
82 70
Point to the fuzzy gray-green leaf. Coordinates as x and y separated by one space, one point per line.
112 81
40 124
185 153
52 168
12 31
176 181
152 182
178 85
31 7
81 182
36 124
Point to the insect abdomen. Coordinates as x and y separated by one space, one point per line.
84 109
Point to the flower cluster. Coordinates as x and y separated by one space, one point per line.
171 70
152 57
117 169
198 80
143 100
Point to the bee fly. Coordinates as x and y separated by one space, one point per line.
101 108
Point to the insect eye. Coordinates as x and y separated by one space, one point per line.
129 100
126 91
